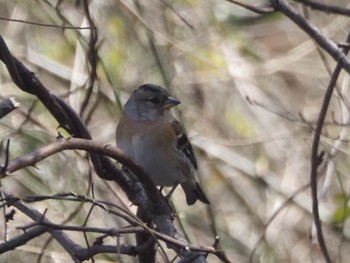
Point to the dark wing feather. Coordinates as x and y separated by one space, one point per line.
183 143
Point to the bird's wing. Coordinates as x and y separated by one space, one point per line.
183 143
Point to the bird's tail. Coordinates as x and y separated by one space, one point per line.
193 193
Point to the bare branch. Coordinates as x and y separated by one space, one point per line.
113 152
22 239
329 46
255 9
41 24
61 238
315 161
92 57
326 7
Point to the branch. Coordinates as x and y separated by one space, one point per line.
141 191
92 56
61 238
315 159
329 46
87 145
152 201
255 9
22 239
325 7
42 24
180 246
42 225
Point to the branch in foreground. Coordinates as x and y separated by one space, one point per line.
87 145
175 242
113 232
77 252
61 238
43 225
22 239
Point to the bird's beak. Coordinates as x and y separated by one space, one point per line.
170 102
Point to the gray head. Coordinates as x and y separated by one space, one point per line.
149 102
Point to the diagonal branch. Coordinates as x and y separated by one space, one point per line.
255 9
328 45
326 7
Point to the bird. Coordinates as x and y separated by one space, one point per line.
153 138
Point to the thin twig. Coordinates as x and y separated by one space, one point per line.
329 46
42 24
325 7
92 55
315 156
255 9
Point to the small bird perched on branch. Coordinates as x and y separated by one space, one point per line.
150 135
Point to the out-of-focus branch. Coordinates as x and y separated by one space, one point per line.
274 216
92 56
326 7
329 46
255 9
42 24
283 6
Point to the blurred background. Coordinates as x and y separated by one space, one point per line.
251 88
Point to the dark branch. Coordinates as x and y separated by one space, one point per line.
41 24
315 155
326 8
255 9
92 57
60 237
329 46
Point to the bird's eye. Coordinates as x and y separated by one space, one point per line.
154 100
